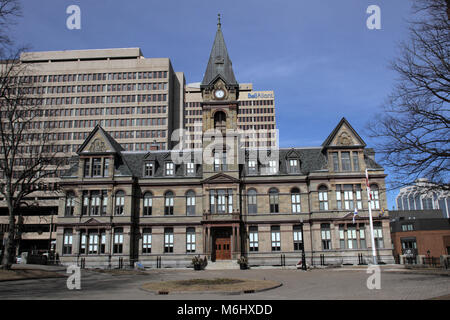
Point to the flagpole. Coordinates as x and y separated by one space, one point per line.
374 252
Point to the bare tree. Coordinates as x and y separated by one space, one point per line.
9 9
413 130
27 151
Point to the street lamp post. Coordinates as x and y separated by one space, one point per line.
303 246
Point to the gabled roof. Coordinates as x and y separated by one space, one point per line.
219 64
343 123
114 145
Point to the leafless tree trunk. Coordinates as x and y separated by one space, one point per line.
9 9
414 129
27 153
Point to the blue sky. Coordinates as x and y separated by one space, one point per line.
318 56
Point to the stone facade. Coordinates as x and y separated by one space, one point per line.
147 207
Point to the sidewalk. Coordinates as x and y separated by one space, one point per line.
31 271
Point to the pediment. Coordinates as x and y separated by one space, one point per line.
292 154
92 221
344 136
99 141
221 178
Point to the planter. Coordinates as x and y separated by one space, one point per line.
243 266
197 267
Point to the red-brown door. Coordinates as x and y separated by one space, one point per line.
223 249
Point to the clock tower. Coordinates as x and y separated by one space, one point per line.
220 92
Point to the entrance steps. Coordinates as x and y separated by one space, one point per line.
222 265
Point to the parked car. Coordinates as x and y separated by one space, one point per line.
19 259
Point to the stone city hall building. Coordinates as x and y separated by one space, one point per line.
145 206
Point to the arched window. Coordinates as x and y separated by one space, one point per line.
148 203
70 203
168 203
323 198
120 202
295 200
273 200
375 195
190 203
220 120
251 201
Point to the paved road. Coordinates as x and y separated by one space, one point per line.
297 284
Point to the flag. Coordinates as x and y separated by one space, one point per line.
368 186
355 213
382 212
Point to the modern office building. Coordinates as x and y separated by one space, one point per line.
138 100
420 197
222 199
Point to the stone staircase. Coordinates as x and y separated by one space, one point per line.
222 265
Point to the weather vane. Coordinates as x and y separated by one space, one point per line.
218 20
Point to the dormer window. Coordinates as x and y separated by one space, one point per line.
272 167
96 167
252 167
169 169
190 169
148 169
293 166
345 161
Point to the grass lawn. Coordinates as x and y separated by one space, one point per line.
27 274
208 285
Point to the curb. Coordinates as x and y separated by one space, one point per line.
228 293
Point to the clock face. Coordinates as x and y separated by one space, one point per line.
219 94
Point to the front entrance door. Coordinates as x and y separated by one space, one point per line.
222 243
223 249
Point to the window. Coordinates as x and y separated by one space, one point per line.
293 166
148 169
220 120
273 167
168 203
190 203
276 238
336 161
273 200
67 241
104 202
252 168
118 240
251 201
169 169
120 203
253 238
298 238
342 236
220 161
93 242
148 203
70 204
348 196
95 203
374 192
87 170
407 227
351 237
362 236
190 168
102 241
96 167
85 207
355 161
323 198
378 235
83 242
190 240
221 201
168 240
295 200
147 240
427 203
325 233
346 164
